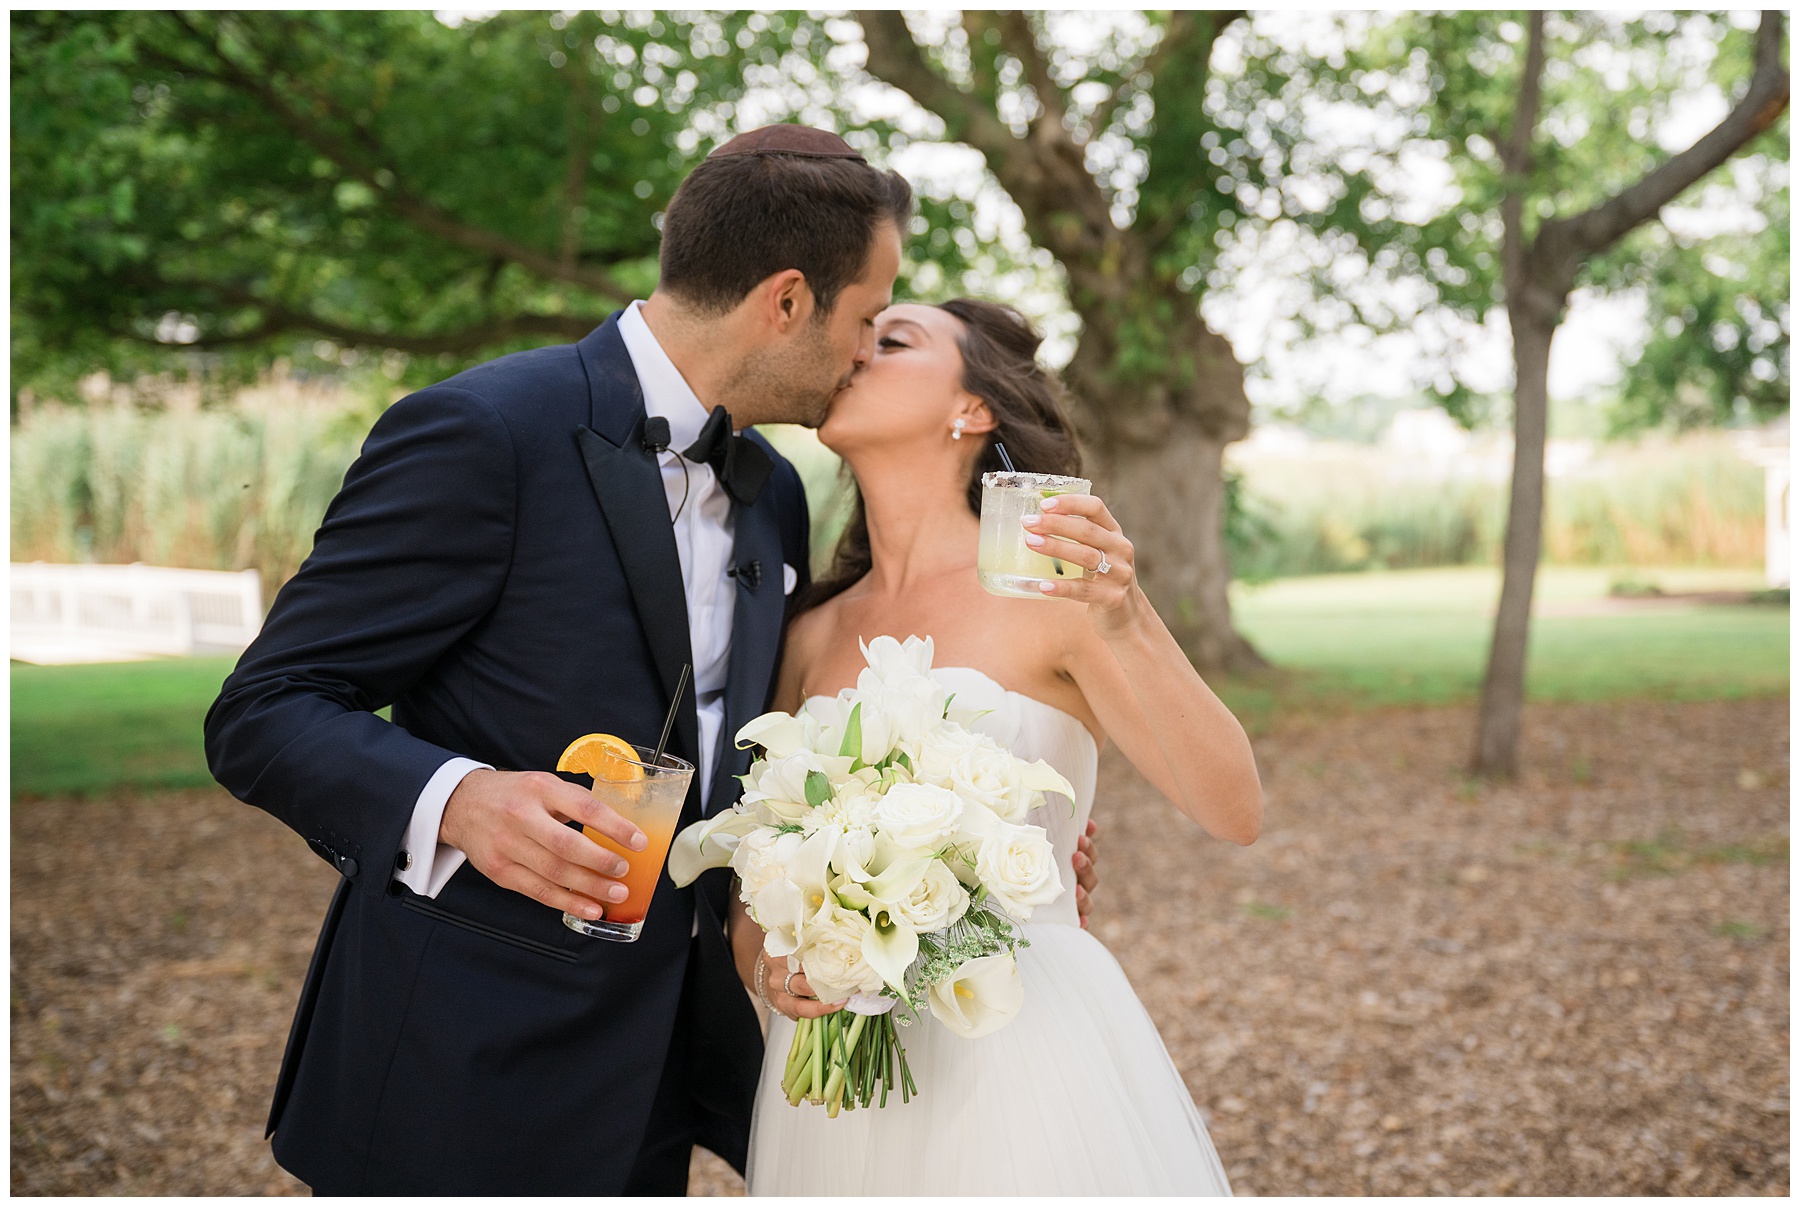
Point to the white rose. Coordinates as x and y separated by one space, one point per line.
1017 864
918 816
990 775
940 749
980 997
761 859
832 955
936 901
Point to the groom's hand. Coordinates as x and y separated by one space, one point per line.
1086 880
511 826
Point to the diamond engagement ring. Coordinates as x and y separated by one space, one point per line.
1104 565
787 986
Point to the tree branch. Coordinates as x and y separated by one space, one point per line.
1593 231
1515 161
386 183
581 148
1064 208
895 58
1018 40
1179 28
279 320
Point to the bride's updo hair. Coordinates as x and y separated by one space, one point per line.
999 354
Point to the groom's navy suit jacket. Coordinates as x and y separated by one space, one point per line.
500 567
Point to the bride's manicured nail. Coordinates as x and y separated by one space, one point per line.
1033 539
1030 521
1047 588
1048 504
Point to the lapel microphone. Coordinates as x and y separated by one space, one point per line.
656 434
656 442
748 575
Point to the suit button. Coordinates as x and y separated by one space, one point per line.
348 867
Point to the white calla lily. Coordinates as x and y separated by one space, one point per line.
980 997
776 732
707 844
889 946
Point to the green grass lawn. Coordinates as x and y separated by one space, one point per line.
1411 637
82 729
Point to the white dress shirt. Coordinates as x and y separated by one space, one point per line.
704 530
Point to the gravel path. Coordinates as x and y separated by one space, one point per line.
1410 984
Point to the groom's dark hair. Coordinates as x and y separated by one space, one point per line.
740 219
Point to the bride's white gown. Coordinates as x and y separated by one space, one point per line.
1077 1095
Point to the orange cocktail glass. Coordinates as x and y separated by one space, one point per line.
649 794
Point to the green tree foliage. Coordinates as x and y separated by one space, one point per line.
212 189
1431 96
1719 326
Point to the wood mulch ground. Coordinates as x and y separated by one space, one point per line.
1410 984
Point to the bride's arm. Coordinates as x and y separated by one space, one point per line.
1141 686
746 941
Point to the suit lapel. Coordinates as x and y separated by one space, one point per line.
755 638
628 486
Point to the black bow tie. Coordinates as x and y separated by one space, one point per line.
741 465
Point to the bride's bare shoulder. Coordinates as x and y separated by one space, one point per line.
808 634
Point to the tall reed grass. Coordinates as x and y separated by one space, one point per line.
1688 502
246 487
211 490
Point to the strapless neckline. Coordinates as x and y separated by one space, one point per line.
1007 691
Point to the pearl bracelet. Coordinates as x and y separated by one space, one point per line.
762 983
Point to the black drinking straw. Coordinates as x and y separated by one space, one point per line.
687 668
1004 459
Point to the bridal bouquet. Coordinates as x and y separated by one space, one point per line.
882 847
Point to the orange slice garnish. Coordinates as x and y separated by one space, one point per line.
608 759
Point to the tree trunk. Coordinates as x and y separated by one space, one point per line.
1156 441
1170 499
1503 688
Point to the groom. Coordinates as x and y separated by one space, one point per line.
525 553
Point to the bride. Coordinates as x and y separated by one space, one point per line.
1077 1095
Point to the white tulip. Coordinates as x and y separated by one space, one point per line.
1017 864
980 997
898 684
777 786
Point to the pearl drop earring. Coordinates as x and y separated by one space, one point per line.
957 433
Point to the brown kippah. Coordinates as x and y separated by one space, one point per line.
788 139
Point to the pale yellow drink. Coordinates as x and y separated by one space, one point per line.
1004 563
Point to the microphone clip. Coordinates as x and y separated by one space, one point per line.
748 575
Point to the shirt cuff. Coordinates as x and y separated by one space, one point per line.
425 864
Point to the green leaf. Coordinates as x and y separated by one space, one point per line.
818 788
851 746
